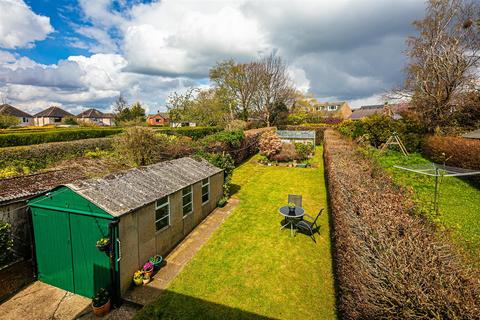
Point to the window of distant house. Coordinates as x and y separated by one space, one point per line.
157 120
57 119
187 200
24 119
162 213
332 108
205 190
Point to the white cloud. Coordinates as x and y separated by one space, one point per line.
20 26
187 38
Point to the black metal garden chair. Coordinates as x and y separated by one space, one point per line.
310 226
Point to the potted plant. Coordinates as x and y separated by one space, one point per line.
156 260
138 278
291 208
146 278
103 244
148 269
101 302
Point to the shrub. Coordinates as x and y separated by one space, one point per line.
7 121
225 162
390 264
236 125
6 243
70 121
232 139
139 146
454 151
303 150
287 153
55 135
39 156
270 144
377 129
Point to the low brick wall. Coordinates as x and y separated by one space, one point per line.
15 276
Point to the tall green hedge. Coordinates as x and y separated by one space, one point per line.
29 138
39 156
192 132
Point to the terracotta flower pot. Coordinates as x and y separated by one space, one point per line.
149 272
102 310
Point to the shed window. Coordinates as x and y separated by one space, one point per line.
205 190
162 213
57 119
187 200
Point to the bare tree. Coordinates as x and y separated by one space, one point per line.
238 83
443 60
275 92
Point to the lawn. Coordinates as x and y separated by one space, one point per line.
250 269
459 204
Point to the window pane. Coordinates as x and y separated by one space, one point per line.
187 209
205 189
204 181
160 213
162 201
186 190
161 224
205 198
187 199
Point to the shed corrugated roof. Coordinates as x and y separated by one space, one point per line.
292 134
472 134
122 192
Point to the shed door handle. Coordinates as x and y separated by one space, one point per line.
119 250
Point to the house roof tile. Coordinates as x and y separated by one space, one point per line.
54 112
11 110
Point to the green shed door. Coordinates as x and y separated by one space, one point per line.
91 266
53 248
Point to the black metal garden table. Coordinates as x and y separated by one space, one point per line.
290 218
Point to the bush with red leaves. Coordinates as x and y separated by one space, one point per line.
390 264
455 151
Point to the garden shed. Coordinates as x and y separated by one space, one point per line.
293 136
143 211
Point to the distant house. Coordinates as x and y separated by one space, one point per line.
158 119
52 115
95 116
25 118
292 136
339 109
392 110
178 124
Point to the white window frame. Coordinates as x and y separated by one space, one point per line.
208 192
165 217
190 203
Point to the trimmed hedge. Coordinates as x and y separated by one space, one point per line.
29 138
193 132
319 130
41 155
389 264
454 151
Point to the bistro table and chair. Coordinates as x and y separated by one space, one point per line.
294 217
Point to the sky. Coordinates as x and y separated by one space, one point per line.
80 54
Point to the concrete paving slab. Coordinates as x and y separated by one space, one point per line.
42 301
